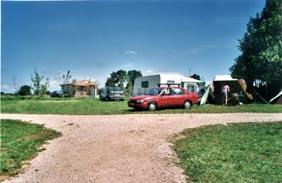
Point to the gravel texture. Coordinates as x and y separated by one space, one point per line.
116 148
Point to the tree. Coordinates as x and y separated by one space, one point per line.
67 77
39 83
131 76
260 62
25 90
117 78
196 76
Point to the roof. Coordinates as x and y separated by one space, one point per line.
180 77
164 77
224 78
82 83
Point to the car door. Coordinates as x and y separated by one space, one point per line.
178 96
165 98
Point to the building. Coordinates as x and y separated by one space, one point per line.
82 88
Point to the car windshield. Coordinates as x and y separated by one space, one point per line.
154 91
116 89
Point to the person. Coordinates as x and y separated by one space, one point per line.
225 91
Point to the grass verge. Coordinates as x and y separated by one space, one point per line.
250 152
20 141
89 106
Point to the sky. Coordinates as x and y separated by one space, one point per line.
94 38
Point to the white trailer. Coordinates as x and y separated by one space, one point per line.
143 84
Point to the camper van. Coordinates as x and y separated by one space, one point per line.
143 84
112 93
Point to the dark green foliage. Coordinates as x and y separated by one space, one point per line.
117 79
249 152
20 141
24 90
261 47
131 76
196 76
120 77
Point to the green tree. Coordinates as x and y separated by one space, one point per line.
196 76
39 83
131 76
261 59
24 90
67 77
117 78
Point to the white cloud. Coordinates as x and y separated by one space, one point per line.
176 51
200 49
148 72
7 88
211 46
195 50
130 52
54 85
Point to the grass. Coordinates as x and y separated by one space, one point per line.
20 141
90 106
250 152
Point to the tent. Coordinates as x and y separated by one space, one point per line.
238 91
277 99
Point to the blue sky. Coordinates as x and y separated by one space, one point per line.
94 38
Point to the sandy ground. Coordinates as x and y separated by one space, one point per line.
119 148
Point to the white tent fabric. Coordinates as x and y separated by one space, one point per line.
223 78
278 95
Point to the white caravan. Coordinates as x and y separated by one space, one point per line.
143 84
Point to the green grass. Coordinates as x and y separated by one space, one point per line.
250 152
20 141
95 106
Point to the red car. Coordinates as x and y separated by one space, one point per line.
164 97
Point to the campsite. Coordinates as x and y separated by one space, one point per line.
145 91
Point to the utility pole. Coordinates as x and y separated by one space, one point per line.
14 84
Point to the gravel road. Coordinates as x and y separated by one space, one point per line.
116 148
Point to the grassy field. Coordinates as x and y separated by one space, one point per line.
250 152
20 141
94 106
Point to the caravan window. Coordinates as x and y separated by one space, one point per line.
145 84
191 88
154 91
177 91
170 82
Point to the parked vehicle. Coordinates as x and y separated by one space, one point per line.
164 97
143 84
56 94
111 93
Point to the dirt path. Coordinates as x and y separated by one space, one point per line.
120 148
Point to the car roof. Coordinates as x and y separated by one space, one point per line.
172 87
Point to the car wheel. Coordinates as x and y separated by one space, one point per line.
187 105
152 107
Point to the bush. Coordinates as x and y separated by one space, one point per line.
24 90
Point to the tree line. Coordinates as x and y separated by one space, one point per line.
260 61
123 79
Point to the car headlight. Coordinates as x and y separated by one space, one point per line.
140 101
